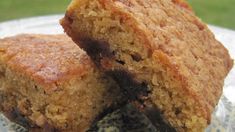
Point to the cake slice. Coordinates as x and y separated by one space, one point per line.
47 83
158 51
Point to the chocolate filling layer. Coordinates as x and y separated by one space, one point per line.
97 50
132 89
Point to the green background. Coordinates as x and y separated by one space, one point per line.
216 12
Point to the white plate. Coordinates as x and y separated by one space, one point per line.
224 115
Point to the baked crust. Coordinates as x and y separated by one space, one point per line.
169 39
48 83
46 59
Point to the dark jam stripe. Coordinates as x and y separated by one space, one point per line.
132 89
97 50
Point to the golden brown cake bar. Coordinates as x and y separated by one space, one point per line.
48 83
174 59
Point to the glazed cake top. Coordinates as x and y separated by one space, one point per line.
47 59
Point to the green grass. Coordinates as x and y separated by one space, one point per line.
13 9
216 12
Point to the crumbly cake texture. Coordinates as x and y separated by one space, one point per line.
48 83
159 43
